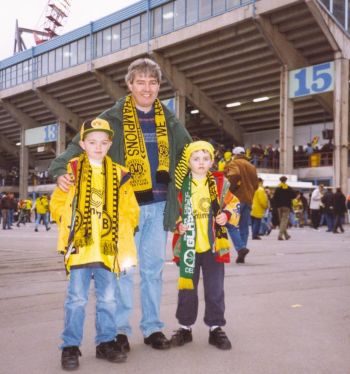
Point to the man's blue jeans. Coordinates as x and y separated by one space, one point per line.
256 222
240 235
151 243
38 219
76 300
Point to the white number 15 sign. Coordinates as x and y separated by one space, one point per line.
311 80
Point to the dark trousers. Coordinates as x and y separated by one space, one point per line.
213 282
256 222
315 218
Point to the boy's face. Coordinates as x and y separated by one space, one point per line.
96 145
200 163
144 90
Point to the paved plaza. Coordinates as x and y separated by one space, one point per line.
287 310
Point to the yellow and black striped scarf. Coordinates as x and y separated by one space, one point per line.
110 218
136 157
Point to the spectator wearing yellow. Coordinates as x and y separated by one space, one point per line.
259 206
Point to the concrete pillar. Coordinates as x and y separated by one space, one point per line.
23 167
61 138
180 107
286 126
341 123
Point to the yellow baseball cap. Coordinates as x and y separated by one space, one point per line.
98 124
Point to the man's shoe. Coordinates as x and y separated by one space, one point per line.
110 351
36 230
218 338
157 340
241 255
256 238
280 238
48 228
181 337
122 342
70 358
287 236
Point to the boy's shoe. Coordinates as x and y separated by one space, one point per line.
181 337
70 358
122 342
157 340
218 338
110 351
241 255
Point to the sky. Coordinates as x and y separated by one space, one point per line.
31 15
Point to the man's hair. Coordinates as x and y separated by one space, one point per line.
144 66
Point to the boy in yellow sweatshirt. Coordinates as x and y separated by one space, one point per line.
96 219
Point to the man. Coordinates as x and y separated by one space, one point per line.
259 206
243 183
315 206
149 141
282 199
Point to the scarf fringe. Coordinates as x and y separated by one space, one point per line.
83 242
109 248
185 284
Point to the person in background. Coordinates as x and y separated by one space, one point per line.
149 141
328 208
339 210
96 219
41 207
283 198
315 206
243 180
259 206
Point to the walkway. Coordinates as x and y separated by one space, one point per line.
288 311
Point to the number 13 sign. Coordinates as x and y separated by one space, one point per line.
311 80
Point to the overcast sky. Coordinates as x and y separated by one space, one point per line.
30 14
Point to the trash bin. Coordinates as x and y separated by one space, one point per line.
315 160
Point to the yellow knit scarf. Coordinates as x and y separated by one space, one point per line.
110 218
136 157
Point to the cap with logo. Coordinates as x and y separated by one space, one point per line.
98 124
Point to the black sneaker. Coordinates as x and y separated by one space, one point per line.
157 340
181 337
122 342
70 358
241 255
110 351
218 338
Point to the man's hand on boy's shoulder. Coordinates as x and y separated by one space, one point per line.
64 182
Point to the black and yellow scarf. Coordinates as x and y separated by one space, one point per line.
187 254
136 157
110 218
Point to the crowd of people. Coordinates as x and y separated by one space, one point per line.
130 176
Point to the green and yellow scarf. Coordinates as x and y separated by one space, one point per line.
136 157
110 218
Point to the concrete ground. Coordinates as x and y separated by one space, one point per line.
287 310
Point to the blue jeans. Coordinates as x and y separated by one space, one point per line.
256 222
38 219
239 235
76 300
151 243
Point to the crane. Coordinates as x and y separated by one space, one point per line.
56 12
